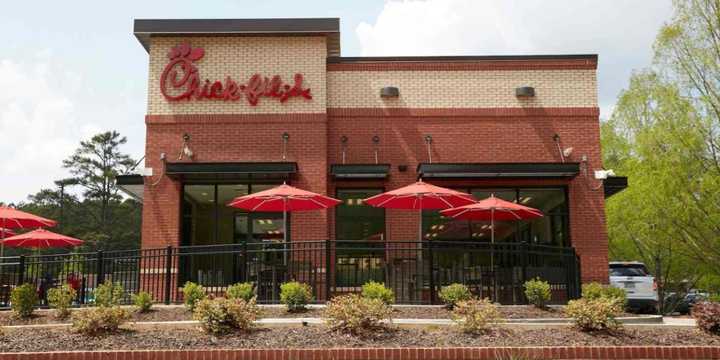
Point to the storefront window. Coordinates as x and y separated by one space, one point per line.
358 261
548 230
207 220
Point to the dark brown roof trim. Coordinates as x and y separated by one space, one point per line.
371 59
144 28
464 63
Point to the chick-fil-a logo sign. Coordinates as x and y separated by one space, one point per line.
180 80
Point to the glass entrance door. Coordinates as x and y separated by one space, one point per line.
261 236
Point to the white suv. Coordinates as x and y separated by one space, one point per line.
638 284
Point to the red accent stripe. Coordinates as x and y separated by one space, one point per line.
488 65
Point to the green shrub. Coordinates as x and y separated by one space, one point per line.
242 291
476 315
108 294
595 314
295 295
377 290
97 320
707 316
23 299
219 316
354 314
192 293
61 298
595 290
537 292
714 298
454 293
143 301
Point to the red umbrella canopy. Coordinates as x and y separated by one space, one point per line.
493 208
283 198
420 196
6 233
12 219
41 239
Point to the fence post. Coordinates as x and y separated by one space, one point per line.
100 269
328 253
523 274
21 271
168 274
431 266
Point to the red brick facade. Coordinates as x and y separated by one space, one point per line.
455 353
493 135
467 106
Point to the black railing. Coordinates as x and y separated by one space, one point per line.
415 271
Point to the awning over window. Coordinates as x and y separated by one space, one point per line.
359 171
231 171
497 170
614 184
131 185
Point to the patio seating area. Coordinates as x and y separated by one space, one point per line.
414 270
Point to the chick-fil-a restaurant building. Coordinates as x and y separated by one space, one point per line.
238 106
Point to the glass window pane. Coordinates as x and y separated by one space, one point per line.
357 221
199 203
226 214
550 229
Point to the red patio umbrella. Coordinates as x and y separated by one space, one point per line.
6 233
420 196
41 239
15 219
283 198
492 209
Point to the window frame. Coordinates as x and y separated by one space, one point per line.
517 190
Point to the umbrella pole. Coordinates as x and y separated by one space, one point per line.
285 232
492 253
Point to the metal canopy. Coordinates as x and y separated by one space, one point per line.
359 171
497 170
132 185
614 184
246 171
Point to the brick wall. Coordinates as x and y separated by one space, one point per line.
463 88
240 58
469 108
455 353
486 136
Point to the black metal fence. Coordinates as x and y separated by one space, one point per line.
415 271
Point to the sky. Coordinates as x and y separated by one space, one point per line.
71 69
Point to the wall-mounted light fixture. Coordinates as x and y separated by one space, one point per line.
389 92
343 146
185 150
428 142
285 139
376 143
525 92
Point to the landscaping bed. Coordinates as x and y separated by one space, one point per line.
177 313
58 339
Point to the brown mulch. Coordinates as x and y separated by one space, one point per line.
18 340
160 313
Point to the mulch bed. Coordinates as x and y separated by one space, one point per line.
405 312
18 340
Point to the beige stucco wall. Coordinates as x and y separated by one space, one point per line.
240 58
463 89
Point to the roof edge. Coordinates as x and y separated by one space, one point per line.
459 58
144 28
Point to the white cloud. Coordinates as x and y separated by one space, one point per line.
37 126
621 32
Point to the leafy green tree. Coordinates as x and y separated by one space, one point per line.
663 135
94 166
102 217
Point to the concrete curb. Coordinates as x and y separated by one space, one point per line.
639 322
